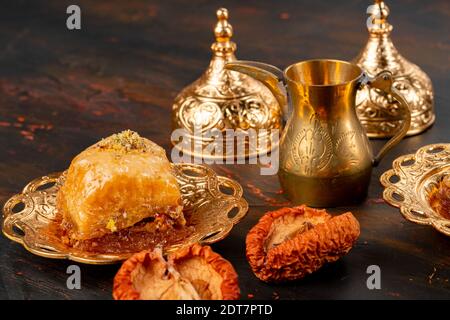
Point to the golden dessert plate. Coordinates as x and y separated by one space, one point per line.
409 183
214 204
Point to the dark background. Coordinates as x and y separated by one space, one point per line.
61 91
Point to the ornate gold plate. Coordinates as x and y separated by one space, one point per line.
213 203
409 183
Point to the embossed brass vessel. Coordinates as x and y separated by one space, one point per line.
325 156
221 99
378 112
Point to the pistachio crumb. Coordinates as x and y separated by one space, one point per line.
111 225
126 140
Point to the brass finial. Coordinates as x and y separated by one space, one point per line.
377 22
223 32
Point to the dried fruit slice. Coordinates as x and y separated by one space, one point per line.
290 243
191 273
440 197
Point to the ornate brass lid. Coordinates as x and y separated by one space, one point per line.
222 99
378 112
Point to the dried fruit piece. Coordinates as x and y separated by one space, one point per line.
440 197
191 273
290 243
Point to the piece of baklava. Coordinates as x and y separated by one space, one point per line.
121 182
440 197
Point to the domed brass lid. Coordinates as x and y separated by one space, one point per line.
222 99
380 113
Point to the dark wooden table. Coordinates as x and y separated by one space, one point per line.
61 91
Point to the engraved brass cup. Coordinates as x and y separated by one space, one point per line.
325 156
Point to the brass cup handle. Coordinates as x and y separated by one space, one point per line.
271 76
383 81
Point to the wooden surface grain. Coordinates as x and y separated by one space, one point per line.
61 91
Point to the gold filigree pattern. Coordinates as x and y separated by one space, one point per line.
409 183
222 99
315 151
207 206
312 149
346 148
377 110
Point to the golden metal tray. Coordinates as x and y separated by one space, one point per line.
409 183
214 204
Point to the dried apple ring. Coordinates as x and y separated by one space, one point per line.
290 243
191 273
